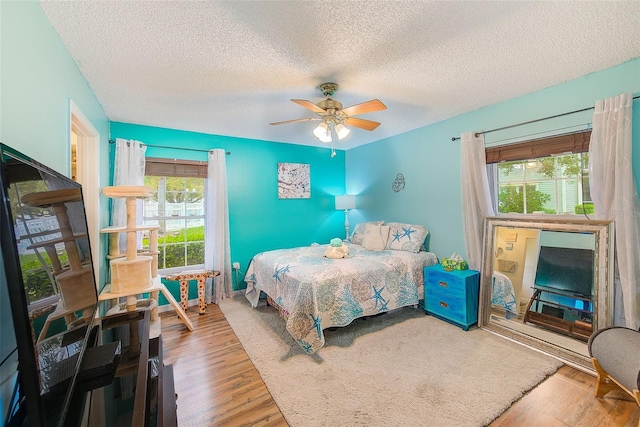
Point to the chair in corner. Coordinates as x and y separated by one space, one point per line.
615 354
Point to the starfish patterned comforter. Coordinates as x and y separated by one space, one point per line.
503 295
319 293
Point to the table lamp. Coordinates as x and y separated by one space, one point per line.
345 203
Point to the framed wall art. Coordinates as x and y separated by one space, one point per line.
511 236
294 181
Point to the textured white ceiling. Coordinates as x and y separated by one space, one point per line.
231 67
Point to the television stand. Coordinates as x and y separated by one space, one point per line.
544 312
143 392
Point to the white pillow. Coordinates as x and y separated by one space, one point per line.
375 237
406 237
358 231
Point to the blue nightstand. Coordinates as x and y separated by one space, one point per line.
452 295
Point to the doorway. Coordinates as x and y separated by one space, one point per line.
85 169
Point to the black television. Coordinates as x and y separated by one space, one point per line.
49 289
568 270
8 353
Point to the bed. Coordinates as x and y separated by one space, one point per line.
314 293
503 295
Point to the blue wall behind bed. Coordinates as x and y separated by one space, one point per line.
430 161
258 220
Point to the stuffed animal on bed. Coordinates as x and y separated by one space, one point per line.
337 249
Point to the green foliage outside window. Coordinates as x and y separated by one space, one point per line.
511 200
587 208
174 255
172 247
571 165
37 285
191 234
562 170
37 282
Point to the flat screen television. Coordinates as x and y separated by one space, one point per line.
49 289
569 270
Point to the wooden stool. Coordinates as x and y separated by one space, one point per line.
200 276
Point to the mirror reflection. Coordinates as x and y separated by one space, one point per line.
546 283
52 294
55 260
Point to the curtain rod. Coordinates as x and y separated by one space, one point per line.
228 153
455 138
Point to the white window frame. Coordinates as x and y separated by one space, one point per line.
551 146
186 218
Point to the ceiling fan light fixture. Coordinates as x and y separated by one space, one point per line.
332 114
323 132
326 138
342 131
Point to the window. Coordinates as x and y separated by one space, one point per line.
548 175
33 227
177 207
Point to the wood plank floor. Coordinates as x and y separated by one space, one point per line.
217 385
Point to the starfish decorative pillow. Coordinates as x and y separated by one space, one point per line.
406 237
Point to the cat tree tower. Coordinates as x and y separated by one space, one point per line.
75 280
135 272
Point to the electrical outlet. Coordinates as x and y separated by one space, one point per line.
236 265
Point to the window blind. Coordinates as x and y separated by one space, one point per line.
171 167
576 142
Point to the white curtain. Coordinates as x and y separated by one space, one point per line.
615 197
476 199
128 169
217 250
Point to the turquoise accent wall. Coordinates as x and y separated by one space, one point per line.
258 220
39 79
430 161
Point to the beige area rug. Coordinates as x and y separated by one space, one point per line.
396 369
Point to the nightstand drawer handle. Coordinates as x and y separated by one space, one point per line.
443 284
444 304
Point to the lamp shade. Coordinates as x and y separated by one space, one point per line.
342 131
326 138
345 202
323 132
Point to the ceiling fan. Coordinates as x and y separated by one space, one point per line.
333 116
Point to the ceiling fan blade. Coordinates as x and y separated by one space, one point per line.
362 123
295 120
308 105
365 107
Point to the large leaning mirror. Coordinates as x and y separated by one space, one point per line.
548 283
